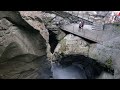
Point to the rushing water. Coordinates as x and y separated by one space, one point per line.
70 72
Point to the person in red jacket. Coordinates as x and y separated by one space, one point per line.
117 18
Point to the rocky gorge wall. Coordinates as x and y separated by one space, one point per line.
25 43
106 53
22 49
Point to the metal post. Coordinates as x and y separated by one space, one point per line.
73 28
77 13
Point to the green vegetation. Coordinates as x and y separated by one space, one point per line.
109 62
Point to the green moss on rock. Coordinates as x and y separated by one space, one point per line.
109 62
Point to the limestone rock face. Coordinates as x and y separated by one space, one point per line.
38 20
34 18
30 42
26 66
22 49
15 18
72 45
107 53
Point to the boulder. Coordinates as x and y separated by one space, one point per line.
72 45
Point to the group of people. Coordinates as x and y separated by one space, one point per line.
114 17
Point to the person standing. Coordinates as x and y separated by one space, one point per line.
81 24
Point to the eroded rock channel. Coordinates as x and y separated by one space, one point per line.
34 46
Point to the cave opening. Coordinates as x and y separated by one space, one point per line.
78 67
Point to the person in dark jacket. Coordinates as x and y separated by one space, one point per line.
81 24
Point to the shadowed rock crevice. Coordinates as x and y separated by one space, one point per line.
55 38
